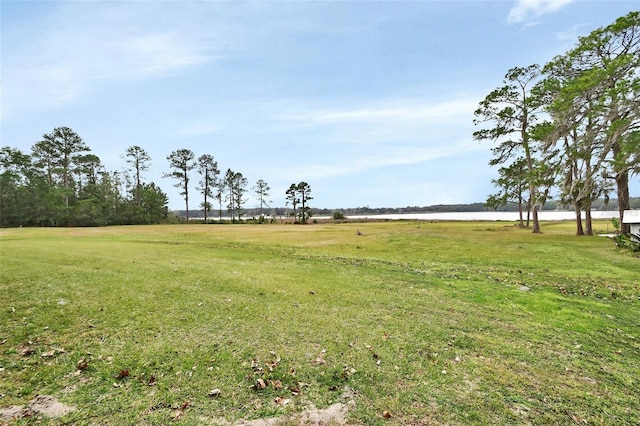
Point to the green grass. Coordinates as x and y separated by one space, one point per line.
429 323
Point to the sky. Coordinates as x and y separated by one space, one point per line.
370 102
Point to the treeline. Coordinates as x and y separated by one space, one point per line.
601 204
61 183
570 127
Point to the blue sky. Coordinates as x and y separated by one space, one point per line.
371 103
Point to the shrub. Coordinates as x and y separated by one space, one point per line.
338 216
630 242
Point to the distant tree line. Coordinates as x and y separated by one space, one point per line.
61 183
229 189
570 128
551 205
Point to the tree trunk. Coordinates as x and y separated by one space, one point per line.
536 222
579 230
186 204
206 189
588 221
138 185
520 212
622 183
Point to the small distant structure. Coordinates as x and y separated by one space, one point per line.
632 217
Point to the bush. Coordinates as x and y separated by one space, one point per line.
631 242
338 216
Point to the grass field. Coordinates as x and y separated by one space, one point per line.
437 323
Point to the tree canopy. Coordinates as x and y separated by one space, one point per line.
577 122
62 184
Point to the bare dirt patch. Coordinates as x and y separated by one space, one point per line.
335 414
43 404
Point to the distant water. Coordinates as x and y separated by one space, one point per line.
462 216
486 216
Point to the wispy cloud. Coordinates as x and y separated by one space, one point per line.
119 42
529 10
397 111
354 163
408 121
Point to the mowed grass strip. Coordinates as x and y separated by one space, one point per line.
431 323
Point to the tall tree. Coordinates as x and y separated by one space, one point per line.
139 160
182 162
239 185
15 167
45 158
304 190
58 149
228 186
218 195
262 191
512 109
236 186
595 89
512 184
291 195
208 169
87 168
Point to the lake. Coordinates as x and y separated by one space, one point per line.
468 216
488 216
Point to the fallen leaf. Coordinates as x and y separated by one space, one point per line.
27 351
320 358
276 384
184 406
122 374
214 393
152 381
260 384
282 401
82 364
272 365
386 414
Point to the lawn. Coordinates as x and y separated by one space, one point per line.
407 323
